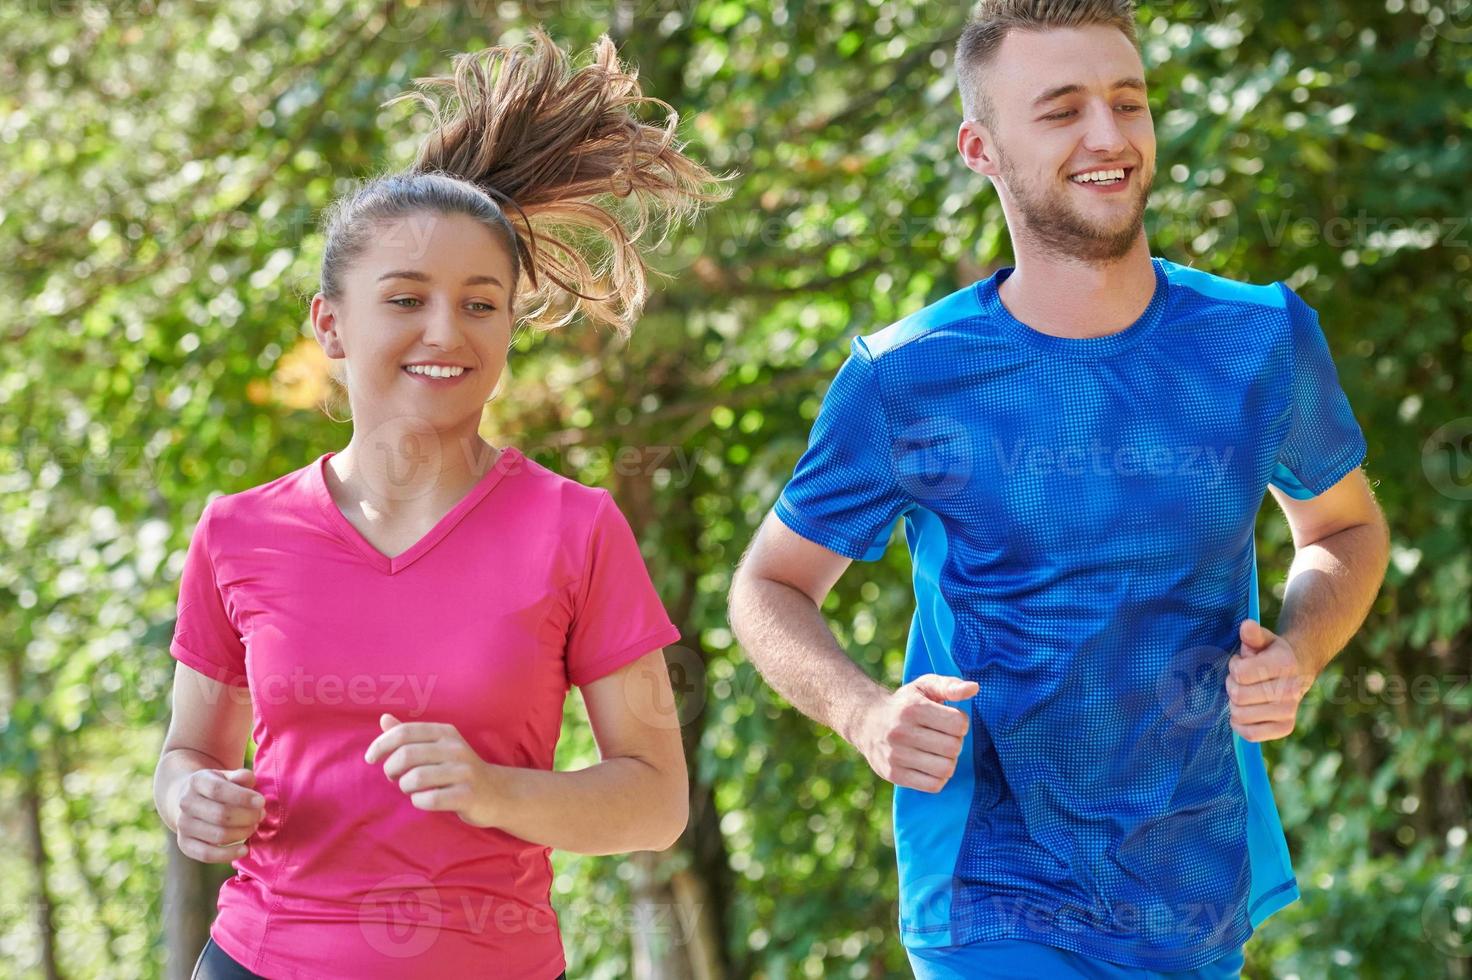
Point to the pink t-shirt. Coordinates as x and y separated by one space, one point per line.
531 583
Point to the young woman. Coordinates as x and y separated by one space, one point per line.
398 622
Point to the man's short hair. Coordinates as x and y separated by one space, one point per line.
992 20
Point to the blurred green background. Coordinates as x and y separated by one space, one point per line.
164 165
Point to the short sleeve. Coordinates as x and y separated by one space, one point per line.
618 616
204 638
1324 441
843 493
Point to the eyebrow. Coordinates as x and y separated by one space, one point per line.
421 277
1071 88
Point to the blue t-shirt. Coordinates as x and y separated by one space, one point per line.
1080 514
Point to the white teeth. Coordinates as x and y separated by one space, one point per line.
434 371
1098 176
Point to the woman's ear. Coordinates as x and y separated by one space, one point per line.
325 326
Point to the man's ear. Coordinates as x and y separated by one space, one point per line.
977 148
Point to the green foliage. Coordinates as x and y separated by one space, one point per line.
164 166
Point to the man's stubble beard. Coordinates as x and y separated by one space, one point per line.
1054 226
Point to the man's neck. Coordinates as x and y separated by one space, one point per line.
1079 299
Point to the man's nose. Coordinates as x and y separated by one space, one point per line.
1103 134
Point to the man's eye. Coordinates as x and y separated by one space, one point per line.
1132 109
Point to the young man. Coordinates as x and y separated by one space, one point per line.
1079 446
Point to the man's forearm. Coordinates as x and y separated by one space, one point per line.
1331 585
788 640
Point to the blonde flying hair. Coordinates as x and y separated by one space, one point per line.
556 163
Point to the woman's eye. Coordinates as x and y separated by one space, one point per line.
411 299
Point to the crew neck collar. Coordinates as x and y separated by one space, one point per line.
1081 347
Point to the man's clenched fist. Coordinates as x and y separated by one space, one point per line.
912 737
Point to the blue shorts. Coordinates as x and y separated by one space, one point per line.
1009 959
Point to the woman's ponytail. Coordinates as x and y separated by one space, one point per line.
582 185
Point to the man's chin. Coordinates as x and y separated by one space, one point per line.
1116 225
1093 243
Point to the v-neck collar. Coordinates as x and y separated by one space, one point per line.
509 457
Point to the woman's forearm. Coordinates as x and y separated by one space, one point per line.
621 804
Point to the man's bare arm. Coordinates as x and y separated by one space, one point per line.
910 736
1342 548
776 595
